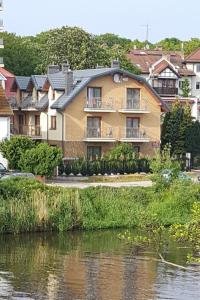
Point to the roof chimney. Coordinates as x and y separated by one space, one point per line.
115 64
52 69
69 78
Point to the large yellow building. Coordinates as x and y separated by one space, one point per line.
87 112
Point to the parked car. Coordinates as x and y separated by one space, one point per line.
167 175
13 175
3 170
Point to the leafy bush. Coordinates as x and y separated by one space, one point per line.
41 160
14 148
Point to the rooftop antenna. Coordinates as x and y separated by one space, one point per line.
147 32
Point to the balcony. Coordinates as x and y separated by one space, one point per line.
1 24
95 134
33 131
1 44
133 107
166 91
1 62
130 134
99 104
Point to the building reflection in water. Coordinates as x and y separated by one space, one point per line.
113 278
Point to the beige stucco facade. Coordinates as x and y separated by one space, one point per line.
75 141
70 130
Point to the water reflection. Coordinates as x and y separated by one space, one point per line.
89 266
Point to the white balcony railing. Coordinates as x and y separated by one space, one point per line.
134 134
99 134
131 105
99 104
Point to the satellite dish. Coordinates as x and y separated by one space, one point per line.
117 78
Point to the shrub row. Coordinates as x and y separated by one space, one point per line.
95 167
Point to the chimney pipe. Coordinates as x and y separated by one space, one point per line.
69 78
52 69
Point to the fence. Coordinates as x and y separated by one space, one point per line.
96 167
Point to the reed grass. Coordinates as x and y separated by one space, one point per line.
28 206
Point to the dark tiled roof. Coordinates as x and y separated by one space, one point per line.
22 82
83 77
43 103
38 81
27 102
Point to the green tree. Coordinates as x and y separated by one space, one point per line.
174 128
14 148
193 139
21 54
110 40
185 88
41 160
122 150
71 44
170 44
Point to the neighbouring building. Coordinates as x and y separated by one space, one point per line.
87 112
5 114
166 70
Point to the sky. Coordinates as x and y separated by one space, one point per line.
171 18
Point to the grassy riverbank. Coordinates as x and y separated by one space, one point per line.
26 205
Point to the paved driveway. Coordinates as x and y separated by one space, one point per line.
83 185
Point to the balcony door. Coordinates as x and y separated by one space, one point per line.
37 125
93 127
132 127
133 98
94 97
21 123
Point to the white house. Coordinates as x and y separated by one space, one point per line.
5 114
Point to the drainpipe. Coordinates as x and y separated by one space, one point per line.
63 148
47 127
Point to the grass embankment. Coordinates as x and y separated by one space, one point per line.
27 205
119 178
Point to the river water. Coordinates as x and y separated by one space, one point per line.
90 266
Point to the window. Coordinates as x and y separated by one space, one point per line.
198 68
132 127
198 85
93 127
53 95
136 150
94 97
133 98
93 152
180 84
53 122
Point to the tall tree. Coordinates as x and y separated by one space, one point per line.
174 128
21 54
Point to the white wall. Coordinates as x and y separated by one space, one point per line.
4 133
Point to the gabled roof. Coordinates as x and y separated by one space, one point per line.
144 59
21 82
6 73
194 56
43 103
83 77
38 81
163 65
5 109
